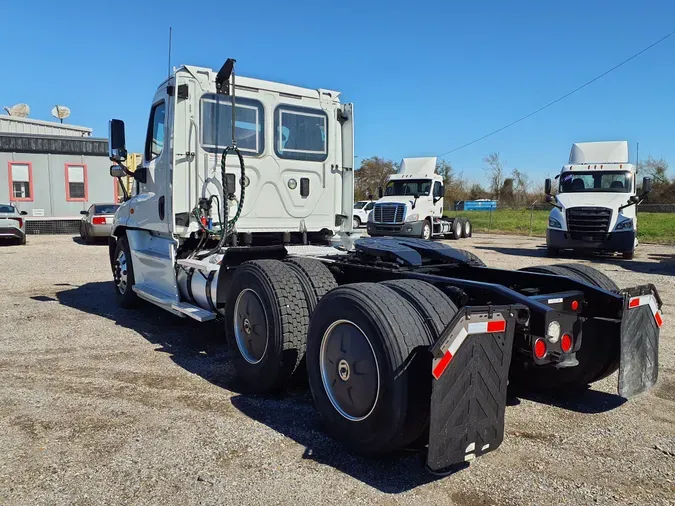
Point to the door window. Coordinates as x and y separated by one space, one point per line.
155 139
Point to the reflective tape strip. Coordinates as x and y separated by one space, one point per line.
647 300
485 327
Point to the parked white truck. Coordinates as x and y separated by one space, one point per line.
402 340
595 207
412 204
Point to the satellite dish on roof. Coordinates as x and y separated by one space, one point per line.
18 110
60 112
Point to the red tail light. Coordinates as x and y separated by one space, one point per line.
575 305
98 220
566 343
20 220
539 349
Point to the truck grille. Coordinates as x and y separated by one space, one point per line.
588 221
389 213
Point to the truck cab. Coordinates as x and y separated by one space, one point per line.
595 207
412 203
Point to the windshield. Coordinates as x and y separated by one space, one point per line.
6 209
105 209
409 187
596 181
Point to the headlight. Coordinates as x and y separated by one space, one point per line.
371 216
625 225
553 223
412 217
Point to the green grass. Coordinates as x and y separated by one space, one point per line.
652 227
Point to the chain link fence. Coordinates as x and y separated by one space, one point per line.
53 226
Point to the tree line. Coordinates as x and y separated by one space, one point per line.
511 187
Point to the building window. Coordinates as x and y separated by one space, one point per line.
155 140
217 124
301 133
21 181
76 183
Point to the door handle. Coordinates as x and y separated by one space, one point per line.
160 206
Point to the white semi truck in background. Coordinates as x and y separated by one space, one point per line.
412 204
595 207
402 340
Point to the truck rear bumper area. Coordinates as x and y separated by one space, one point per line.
470 368
615 241
412 229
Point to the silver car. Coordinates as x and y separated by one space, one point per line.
12 224
97 221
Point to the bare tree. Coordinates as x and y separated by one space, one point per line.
654 168
521 186
372 175
495 170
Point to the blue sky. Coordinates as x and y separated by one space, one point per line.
425 76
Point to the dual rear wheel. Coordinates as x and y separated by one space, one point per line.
364 344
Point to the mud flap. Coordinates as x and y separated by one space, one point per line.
470 369
640 327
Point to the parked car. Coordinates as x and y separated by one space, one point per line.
12 225
362 209
97 221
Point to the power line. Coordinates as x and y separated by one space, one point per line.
560 98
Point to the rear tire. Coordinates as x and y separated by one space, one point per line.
594 276
366 351
356 222
474 260
456 231
22 242
628 255
123 275
266 321
467 229
315 278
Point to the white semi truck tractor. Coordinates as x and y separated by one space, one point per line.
411 204
595 207
243 213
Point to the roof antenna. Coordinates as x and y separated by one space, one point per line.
169 52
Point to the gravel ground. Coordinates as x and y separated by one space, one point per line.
104 406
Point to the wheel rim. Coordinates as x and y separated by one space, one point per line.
121 273
426 231
467 227
458 228
250 326
349 370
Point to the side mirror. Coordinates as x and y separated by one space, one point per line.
547 186
117 171
549 198
646 185
23 213
380 192
117 150
84 212
634 199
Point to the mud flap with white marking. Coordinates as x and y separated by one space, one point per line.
470 374
640 326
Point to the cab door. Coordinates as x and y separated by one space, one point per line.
152 204
437 199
